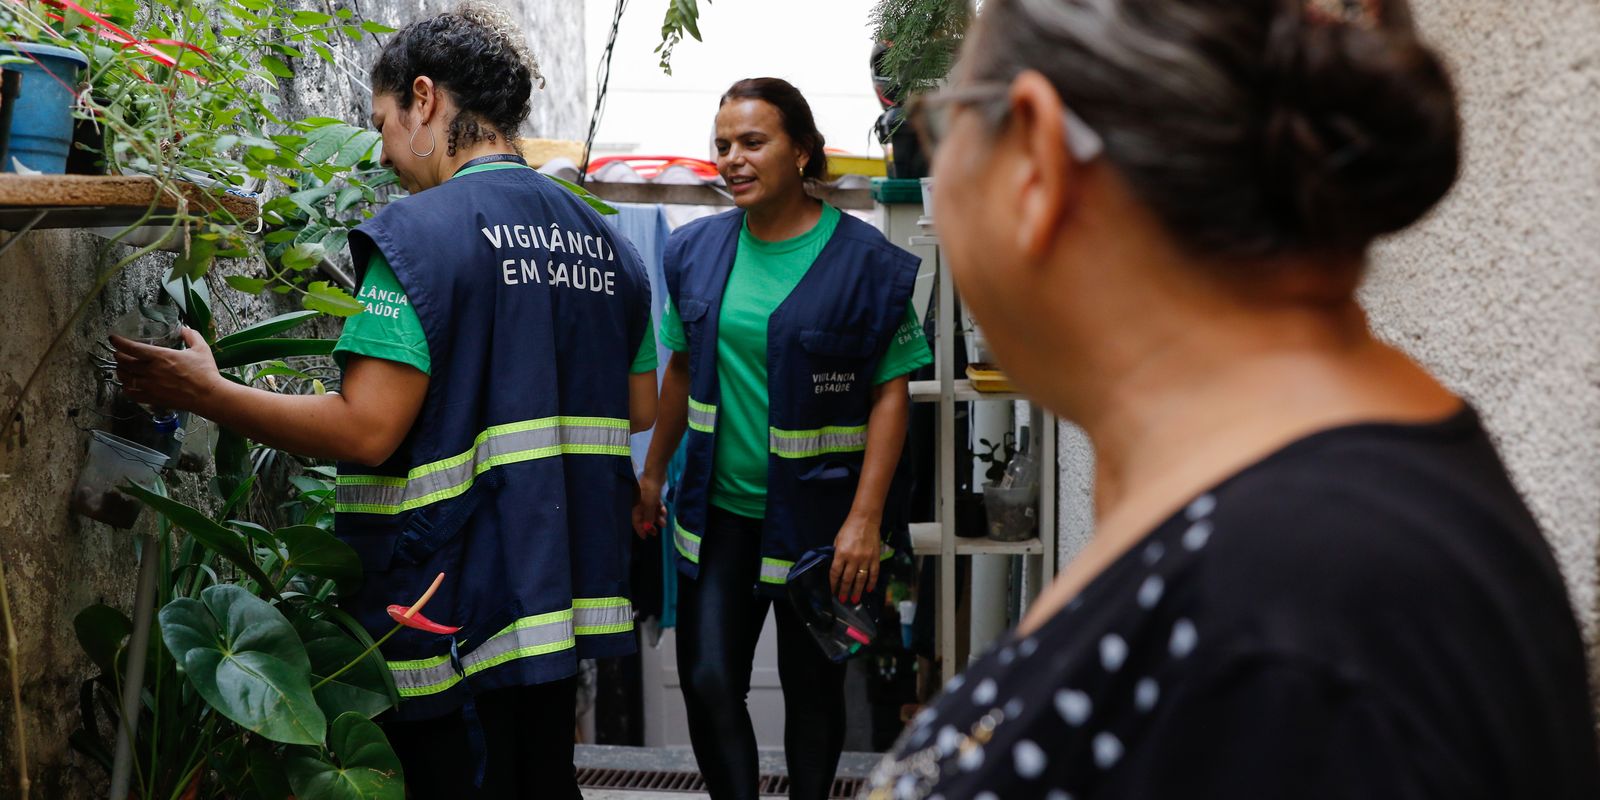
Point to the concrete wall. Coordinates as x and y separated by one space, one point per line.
56 562
1499 291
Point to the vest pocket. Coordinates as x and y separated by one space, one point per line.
431 527
692 313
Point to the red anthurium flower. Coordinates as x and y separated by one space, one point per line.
411 617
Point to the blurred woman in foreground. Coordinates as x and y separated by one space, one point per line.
1311 576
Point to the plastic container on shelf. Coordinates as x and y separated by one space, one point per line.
41 120
114 462
1012 513
927 197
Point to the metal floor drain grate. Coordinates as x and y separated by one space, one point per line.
656 780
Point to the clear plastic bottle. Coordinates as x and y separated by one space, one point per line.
1023 469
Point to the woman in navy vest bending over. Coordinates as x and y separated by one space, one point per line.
482 425
793 334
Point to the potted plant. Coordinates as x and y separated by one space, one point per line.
40 93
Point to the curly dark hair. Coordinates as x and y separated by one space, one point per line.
477 54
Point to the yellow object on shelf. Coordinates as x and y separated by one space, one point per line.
870 166
988 378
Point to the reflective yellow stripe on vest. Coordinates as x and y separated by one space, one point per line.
821 441
687 543
776 570
501 444
527 637
702 416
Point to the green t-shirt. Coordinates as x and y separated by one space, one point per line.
389 328
764 273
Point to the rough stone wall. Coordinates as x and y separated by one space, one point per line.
1498 292
56 562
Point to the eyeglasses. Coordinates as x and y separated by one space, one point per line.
929 115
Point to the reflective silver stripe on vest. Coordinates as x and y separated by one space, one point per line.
502 444
527 637
688 544
702 416
775 570
600 616
800 444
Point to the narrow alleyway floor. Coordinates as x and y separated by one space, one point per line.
604 766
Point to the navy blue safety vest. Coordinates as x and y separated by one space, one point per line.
824 343
516 480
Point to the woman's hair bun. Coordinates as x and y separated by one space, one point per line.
1360 135
1252 128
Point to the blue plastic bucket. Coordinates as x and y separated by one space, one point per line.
41 119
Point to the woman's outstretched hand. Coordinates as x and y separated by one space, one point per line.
165 378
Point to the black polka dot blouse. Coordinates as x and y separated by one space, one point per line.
1370 612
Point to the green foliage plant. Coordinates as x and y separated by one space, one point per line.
256 685
923 38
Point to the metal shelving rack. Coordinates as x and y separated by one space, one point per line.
939 537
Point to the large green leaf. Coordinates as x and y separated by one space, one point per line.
359 765
356 150
315 551
324 142
266 329
349 625
270 350
330 299
100 630
194 262
226 543
361 688
304 255
246 284
246 660
586 196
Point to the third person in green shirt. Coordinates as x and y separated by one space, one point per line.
778 357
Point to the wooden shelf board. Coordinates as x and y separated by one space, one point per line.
925 541
95 201
928 392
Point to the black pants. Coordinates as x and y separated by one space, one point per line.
527 732
719 620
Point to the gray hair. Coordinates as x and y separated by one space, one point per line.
1252 128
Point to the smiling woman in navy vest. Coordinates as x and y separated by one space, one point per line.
793 337
482 425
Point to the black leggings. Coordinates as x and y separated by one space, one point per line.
720 617
527 731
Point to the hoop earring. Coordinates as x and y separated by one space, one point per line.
432 143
